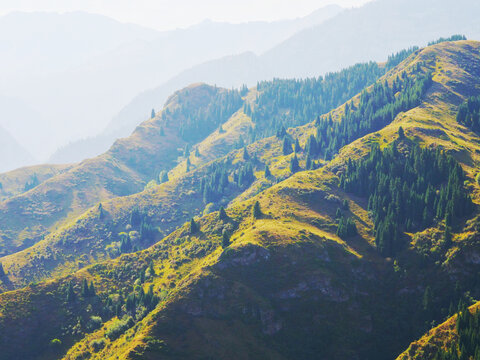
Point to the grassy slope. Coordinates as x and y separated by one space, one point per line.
286 266
13 182
123 170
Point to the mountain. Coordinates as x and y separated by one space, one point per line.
349 223
371 32
12 153
78 78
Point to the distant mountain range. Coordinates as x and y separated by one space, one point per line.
371 32
76 79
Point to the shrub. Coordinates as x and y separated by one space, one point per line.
119 327
97 344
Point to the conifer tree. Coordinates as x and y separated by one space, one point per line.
101 213
2 271
287 146
91 289
401 133
294 166
152 115
257 212
225 239
298 148
246 156
70 296
193 226
197 152
222 214
267 172
85 290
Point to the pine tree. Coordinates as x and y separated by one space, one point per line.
268 174
225 239
70 296
197 152
294 166
298 148
222 214
287 146
246 157
187 169
152 115
85 290
101 213
2 271
91 289
257 212
193 226
163 177
447 238
401 133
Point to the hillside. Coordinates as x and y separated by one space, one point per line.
303 248
124 169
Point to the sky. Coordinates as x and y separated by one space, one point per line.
171 14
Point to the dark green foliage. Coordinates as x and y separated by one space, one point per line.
126 244
401 133
136 217
225 239
346 227
467 345
70 293
306 99
193 227
245 155
2 271
119 327
257 212
407 191
199 121
152 115
245 176
222 214
214 186
188 164
32 182
377 108
294 165
163 177
397 58
101 212
298 148
469 114
287 146
457 37
267 172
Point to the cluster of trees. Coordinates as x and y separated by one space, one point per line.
87 290
346 227
469 113
376 109
451 38
467 345
199 121
407 191
288 103
216 184
31 182
397 58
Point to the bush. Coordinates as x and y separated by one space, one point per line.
94 323
119 327
97 344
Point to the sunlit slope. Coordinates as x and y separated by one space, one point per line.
123 170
